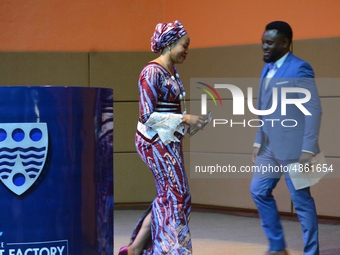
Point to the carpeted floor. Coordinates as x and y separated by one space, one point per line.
221 234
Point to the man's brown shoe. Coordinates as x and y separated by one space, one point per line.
282 252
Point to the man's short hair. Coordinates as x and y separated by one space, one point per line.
282 28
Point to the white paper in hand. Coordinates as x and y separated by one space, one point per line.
302 178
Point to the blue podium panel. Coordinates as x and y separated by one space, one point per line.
56 171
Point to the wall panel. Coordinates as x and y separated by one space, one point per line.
329 136
126 117
44 68
326 192
120 71
133 181
324 55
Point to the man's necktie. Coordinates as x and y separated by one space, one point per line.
272 70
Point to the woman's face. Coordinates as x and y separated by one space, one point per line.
179 49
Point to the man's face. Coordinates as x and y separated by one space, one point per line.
274 46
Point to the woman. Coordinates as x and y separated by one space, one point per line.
164 229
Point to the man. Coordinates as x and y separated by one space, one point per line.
278 143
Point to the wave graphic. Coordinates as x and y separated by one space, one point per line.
28 156
4 156
31 159
32 162
4 173
22 149
7 163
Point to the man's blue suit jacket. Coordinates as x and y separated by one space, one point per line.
288 142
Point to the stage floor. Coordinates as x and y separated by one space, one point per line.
221 234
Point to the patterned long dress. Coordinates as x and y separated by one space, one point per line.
159 144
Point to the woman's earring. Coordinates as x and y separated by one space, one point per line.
169 49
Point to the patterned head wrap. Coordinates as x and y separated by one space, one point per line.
165 34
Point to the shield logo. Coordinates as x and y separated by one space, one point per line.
23 151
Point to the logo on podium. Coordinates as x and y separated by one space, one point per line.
23 151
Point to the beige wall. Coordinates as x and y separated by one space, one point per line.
119 70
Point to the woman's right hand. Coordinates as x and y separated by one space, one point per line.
190 119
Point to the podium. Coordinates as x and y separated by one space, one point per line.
56 170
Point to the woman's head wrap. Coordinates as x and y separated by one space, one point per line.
165 34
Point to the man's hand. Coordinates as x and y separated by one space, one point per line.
305 159
254 155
